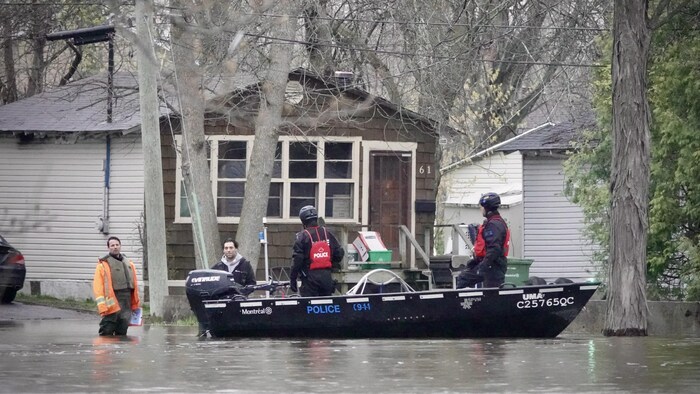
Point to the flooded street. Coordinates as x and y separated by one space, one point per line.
66 355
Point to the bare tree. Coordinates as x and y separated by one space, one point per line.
269 118
318 36
187 53
479 66
29 62
8 88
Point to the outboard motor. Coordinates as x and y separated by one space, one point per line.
202 285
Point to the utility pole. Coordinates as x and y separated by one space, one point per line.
152 163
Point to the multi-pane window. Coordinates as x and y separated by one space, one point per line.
302 194
338 173
303 160
184 211
274 202
319 172
231 176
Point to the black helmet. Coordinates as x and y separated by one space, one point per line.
490 201
308 213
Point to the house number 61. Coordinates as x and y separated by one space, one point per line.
424 170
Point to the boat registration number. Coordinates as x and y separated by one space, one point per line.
542 303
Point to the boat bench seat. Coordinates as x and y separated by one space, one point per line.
441 269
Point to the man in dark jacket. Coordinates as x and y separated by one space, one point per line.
316 251
233 262
490 249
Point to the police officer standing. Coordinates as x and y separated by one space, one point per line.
316 250
490 249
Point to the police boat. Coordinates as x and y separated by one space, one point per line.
382 305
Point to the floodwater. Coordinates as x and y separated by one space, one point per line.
67 356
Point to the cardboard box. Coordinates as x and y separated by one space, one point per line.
366 241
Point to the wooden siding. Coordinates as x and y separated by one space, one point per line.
51 196
553 224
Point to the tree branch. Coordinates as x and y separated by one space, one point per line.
73 66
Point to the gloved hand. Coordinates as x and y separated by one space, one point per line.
293 286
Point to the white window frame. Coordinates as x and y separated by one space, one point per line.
287 217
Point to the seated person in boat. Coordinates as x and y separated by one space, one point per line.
490 249
233 262
316 250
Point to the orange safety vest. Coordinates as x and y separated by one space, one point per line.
480 244
104 293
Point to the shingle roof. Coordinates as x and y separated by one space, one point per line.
553 137
76 107
81 106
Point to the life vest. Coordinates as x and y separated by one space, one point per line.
104 293
480 244
320 253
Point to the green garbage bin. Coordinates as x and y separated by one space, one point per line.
518 271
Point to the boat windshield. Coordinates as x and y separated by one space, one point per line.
380 281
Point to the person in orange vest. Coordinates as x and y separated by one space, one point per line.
490 249
116 290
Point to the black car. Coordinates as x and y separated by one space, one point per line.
12 271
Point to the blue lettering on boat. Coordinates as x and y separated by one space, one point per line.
322 309
361 306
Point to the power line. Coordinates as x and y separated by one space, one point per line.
446 24
285 41
362 20
440 57
57 4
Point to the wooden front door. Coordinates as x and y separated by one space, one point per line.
389 195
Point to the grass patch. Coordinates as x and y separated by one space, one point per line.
86 305
190 321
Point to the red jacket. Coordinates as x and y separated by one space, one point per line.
500 232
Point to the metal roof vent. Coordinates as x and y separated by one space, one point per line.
343 78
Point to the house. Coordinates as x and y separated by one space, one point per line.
486 171
527 171
364 162
70 179
466 183
552 225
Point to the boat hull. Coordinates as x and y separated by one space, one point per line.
523 312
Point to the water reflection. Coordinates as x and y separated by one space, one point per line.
68 356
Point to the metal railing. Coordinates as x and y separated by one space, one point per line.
406 238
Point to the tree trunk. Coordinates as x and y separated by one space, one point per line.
36 73
152 163
318 36
195 168
266 136
10 93
627 309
